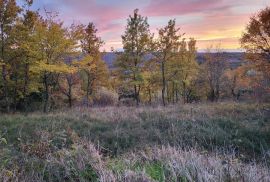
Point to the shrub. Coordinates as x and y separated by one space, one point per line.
105 97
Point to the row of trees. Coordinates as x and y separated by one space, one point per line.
44 63
167 63
43 60
147 64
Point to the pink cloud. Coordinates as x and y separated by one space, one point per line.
180 7
202 19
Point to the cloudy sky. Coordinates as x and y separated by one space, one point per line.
208 21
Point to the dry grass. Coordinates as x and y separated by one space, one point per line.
173 164
202 142
184 112
84 163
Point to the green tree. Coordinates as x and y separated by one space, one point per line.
167 48
94 69
136 43
53 45
188 68
70 82
151 84
9 12
22 33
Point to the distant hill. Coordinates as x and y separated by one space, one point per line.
234 58
109 58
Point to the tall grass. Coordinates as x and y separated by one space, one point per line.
203 142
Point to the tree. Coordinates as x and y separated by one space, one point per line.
186 67
90 42
256 42
53 45
67 84
22 41
94 73
70 82
256 38
167 47
151 83
93 67
8 14
239 81
136 43
214 68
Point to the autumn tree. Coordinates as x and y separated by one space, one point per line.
70 82
151 82
21 77
239 81
135 41
213 70
185 67
94 68
256 42
53 45
167 47
9 12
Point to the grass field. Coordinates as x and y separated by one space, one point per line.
202 142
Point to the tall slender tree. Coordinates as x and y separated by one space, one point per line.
22 41
93 67
214 69
167 48
136 43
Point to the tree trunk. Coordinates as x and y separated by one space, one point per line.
4 77
25 86
4 71
173 90
233 92
70 95
150 95
212 95
137 94
217 94
88 89
176 95
15 90
168 93
46 94
163 83
184 93
70 101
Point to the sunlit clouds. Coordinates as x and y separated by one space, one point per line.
208 21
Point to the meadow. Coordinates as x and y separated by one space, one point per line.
224 141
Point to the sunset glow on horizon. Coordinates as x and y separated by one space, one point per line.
210 22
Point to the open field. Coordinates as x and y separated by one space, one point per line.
202 142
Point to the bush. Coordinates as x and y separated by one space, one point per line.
105 97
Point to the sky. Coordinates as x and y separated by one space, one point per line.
210 22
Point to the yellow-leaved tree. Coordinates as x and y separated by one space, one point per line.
53 45
94 70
